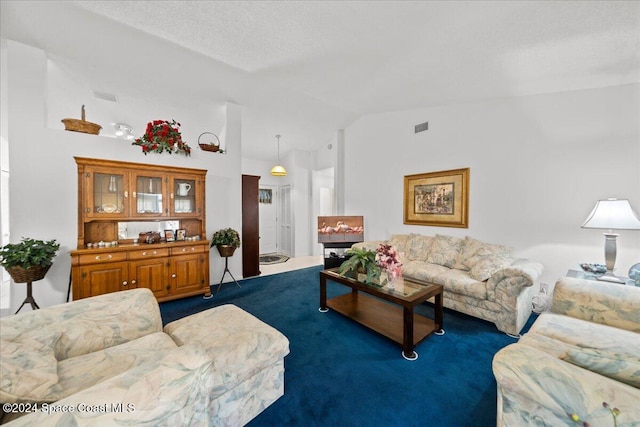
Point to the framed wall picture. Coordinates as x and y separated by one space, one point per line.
437 198
169 235
264 195
181 234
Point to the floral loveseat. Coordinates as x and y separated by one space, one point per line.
479 279
105 360
578 362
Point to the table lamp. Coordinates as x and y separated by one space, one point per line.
612 214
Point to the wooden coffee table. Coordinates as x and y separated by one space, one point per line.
387 311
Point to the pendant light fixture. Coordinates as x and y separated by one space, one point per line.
278 170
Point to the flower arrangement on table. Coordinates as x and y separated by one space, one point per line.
388 259
163 135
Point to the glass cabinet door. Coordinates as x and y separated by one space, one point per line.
149 195
107 194
184 196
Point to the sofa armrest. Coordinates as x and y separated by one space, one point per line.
534 385
599 302
506 284
90 324
172 391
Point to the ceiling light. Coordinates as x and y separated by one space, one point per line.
123 130
278 170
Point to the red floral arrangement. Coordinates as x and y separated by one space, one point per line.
163 135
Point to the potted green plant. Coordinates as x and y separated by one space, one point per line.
361 265
226 240
29 260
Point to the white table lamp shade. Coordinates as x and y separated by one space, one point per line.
613 214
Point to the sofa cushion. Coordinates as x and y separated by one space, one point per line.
239 344
28 368
91 324
418 247
460 282
422 270
613 365
444 250
598 302
470 246
400 242
584 334
484 266
172 391
81 372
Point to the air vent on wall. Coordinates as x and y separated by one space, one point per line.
104 96
422 127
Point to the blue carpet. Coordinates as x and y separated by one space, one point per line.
340 373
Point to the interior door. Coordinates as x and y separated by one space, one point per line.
285 221
268 219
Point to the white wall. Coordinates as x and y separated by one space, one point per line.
538 165
43 187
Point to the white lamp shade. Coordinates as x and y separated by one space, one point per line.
613 214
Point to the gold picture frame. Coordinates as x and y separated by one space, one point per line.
437 198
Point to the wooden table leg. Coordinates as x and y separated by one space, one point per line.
323 294
407 339
439 315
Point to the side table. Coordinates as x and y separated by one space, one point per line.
580 274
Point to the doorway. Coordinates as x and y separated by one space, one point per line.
268 219
285 221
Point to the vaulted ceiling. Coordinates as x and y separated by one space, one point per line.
305 69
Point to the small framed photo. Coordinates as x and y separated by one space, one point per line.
264 195
181 234
169 235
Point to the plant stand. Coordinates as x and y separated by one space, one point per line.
28 276
29 299
226 270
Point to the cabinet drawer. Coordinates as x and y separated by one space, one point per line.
102 257
196 249
149 253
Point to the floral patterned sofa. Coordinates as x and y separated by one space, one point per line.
106 360
479 279
579 363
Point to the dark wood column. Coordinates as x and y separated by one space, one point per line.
250 226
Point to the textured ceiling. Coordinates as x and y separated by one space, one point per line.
305 69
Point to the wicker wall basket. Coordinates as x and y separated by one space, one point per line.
81 125
212 146
25 275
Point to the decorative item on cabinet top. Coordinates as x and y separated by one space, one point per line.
81 125
210 142
163 136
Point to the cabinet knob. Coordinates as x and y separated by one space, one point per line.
126 194
125 283
173 275
99 258
133 282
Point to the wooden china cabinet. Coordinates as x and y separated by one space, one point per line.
119 200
